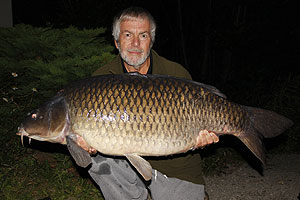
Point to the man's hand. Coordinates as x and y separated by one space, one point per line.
83 144
205 138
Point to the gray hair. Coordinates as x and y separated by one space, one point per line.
133 13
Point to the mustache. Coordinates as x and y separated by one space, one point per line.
136 50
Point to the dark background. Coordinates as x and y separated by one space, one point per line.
228 44
248 49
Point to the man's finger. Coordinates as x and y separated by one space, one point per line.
214 137
208 138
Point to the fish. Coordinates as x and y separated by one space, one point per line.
136 115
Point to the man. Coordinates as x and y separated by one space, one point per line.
174 177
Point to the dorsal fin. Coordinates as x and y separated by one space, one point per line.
210 88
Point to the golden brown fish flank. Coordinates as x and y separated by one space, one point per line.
140 107
154 115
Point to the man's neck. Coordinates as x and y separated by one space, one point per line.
143 69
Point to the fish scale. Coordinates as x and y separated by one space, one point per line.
137 115
138 109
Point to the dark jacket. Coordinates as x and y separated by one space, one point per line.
160 65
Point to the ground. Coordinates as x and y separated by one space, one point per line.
280 180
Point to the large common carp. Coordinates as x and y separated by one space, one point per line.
137 115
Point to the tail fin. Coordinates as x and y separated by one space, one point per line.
268 123
263 124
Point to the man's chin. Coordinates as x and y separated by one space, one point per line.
134 65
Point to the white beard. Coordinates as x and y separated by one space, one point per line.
134 61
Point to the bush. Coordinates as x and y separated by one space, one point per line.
36 62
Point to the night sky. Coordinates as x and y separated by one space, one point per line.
215 40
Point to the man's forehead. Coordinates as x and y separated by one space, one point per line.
135 23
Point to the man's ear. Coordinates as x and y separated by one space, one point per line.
116 44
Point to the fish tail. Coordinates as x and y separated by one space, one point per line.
263 124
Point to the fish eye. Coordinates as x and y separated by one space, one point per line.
33 116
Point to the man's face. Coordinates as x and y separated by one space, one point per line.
134 41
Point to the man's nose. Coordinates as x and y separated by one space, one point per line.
136 41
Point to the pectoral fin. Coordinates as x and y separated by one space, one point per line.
81 157
141 165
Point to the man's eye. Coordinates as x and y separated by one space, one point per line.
144 36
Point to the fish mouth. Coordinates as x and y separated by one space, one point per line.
22 133
41 137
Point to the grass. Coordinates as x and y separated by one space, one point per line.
42 170
32 173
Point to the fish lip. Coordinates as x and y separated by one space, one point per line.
60 138
22 133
